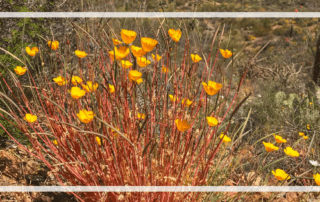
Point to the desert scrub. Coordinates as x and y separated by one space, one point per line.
123 118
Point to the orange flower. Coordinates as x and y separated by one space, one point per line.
175 34
305 137
89 87
173 98
80 54
128 36
188 102
226 53
111 88
182 125
290 152
269 146
134 75
164 69
55 142
281 174
279 139
61 81
121 53
98 140
116 42
156 59
20 70
54 45
139 81
212 121
212 87
195 58
30 118
142 61
148 44
225 138
301 133
141 116
126 64
85 116
316 178
77 93
76 80
33 51
137 51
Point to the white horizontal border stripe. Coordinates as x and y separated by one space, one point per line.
159 188
160 14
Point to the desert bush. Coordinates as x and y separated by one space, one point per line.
126 119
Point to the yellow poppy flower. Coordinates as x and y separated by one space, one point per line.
85 116
20 70
121 53
76 80
80 54
212 121
89 87
173 98
134 75
195 57
98 140
148 44
290 152
316 178
137 51
281 174
174 34
77 93
141 116
33 51
156 59
226 53
188 102
116 42
164 69
55 142
126 64
225 138
111 88
305 137
139 81
308 126
142 61
301 133
279 139
54 45
128 36
61 81
182 125
30 118
212 87
270 147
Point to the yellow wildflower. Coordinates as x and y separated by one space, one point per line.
212 87
85 116
154 57
281 174
80 54
195 57
134 75
175 34
126 64
173 98
111 88
76 80
77 93
182 125
33 51
316 178
212 121
164 69
301 133
139 81
290 152
188 102
98 140
89 87
137 51
141 116
54 45
226 53
20 70
128 36
142 61
116 41
61 81
55 142
269 146
30 118
225 138
121 53
279 139
305 137
148 44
